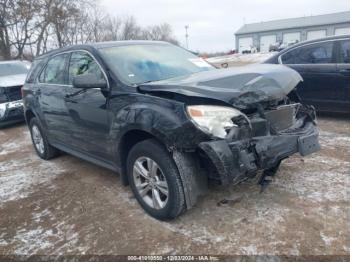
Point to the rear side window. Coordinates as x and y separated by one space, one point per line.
82 63
34 70
54 72
345 52
320 53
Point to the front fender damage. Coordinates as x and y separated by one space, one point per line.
194 180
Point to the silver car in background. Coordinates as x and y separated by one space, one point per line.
12 78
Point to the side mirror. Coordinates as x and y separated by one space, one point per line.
88 81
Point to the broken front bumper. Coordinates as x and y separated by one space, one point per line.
11 112
235 161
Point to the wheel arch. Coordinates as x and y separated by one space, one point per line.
130 139
28 115
193 178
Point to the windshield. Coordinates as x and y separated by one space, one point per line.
136 64
13 69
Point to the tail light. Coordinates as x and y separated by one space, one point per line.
22 92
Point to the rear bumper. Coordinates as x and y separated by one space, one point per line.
235 161
11 112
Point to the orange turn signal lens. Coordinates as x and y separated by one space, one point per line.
195 112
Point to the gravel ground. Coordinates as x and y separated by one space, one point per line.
69 206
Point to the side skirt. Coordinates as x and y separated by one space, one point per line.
89 158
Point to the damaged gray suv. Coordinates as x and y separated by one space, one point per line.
164 119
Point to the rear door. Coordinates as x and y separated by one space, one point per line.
87 109
343 81
52 83
316 64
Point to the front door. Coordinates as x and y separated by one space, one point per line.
88 109
316 64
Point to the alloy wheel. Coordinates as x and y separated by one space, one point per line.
38 139
150 182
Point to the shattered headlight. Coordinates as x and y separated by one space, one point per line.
3 108
3 97
215 120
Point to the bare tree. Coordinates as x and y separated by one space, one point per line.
24 25
5 23
95 26
18 24
44 17
29 28
113 28
130 29
162 32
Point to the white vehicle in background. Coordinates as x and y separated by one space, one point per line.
12 78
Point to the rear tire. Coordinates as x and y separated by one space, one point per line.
41 145
155 180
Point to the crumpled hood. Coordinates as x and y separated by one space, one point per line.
12 80
241 87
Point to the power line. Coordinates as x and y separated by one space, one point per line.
186 35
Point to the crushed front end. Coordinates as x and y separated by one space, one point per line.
261 141
11 105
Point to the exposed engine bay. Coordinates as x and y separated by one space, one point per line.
262 141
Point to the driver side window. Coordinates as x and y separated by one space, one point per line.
82 63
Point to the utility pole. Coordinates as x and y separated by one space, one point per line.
186 35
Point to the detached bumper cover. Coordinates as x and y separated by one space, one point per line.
235 161
11 112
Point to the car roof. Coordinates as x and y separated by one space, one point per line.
100 45
329 38
14 62
123 43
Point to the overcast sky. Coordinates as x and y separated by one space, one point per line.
213 23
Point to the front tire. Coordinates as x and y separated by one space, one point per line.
155 180
41 145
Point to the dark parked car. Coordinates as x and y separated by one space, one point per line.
165 119
12 78
324 65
